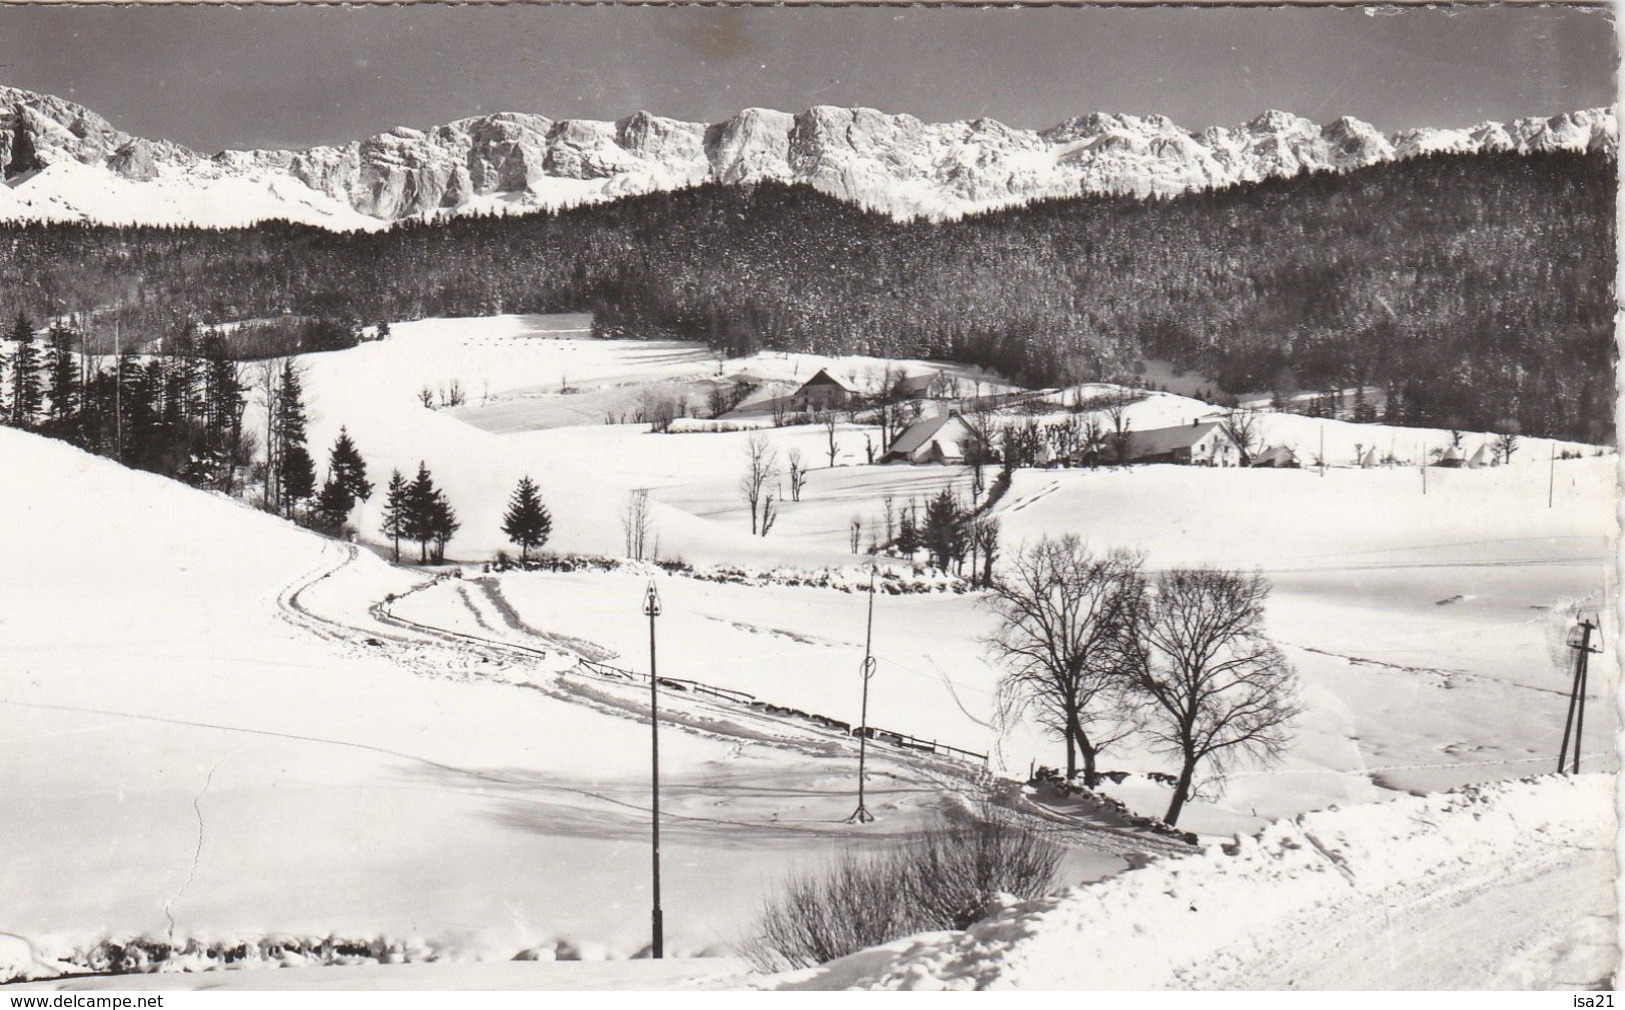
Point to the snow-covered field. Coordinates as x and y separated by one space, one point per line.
234 737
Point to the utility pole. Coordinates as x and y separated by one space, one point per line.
1577 693
1551 477
118 393
1323 450
651 607
1422 454
862 814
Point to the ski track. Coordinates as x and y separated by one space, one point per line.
696 715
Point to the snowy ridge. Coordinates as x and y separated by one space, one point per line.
74 165
1237 906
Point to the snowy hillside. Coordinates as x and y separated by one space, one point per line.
248 702
77 166
219 743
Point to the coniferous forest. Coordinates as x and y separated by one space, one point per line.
1475 290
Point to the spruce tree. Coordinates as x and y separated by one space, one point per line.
348 469
298 477
333 505
442 523
223 412
527 522
418 514
62 369
944 532
394 524
289 452
25 378
141 395
908 534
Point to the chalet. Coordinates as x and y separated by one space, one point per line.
1201 443
946 438
824 392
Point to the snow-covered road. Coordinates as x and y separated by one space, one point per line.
1505 885
1550 924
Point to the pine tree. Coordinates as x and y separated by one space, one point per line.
298 477
442 523
290 457
223 404
944 532
908 534
62 369
394 524
333 505
25 378
418 512
141 396
527 522
348 469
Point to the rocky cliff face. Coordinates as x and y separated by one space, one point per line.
62 161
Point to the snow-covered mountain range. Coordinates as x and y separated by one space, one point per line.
63 162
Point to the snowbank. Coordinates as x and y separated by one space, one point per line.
1205 919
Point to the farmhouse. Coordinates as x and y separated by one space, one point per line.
824 392
945 438
1201 443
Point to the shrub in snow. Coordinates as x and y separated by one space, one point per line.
1057 784
945 878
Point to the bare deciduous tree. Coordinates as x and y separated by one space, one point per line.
1244 428
985 540
770 512
1091 440
798 474
265 381
635 522
1066 621
1119 439
761 469
854 532
1215 689
829 435
1506 439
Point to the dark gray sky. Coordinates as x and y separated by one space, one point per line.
297 76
